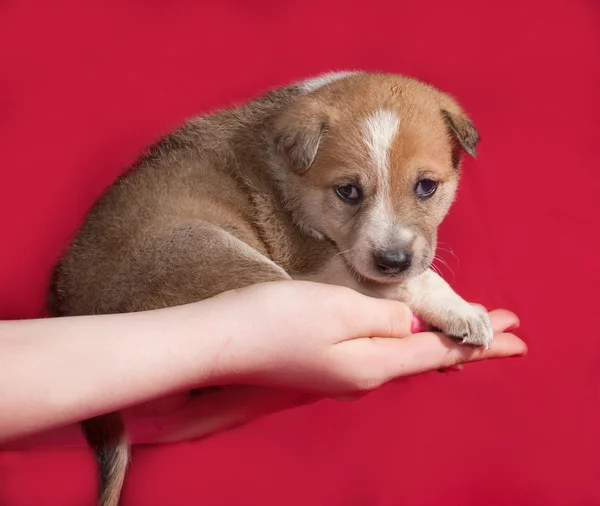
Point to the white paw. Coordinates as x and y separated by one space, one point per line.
470 324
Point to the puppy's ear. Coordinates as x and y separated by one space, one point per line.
463 131
297 134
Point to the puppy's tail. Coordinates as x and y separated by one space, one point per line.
107 437
105 434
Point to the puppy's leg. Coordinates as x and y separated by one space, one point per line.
159 267
434 300
186 263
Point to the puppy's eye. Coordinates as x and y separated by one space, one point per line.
426 188
349 193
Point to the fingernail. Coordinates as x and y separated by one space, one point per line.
418 325
523 353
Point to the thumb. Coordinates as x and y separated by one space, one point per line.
368 317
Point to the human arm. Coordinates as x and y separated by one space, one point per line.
302 336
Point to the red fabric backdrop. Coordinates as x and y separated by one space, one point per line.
84 87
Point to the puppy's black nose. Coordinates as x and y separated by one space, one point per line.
393 261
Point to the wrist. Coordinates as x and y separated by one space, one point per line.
225 335
189 338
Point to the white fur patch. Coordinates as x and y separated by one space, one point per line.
406 235
317 82
381 128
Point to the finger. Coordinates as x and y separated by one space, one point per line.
504 320
383 359
213 412
160 406
480 306
368 316
430 351
501 319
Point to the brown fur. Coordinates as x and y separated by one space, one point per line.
246 195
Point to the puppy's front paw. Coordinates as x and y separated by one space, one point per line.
470 324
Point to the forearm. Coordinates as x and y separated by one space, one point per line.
57 371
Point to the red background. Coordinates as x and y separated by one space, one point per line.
84 87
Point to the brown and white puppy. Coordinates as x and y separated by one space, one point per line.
341 179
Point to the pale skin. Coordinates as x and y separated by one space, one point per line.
279 345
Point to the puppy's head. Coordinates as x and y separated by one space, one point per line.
371 162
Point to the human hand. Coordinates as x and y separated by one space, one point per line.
335 342
318 340
288 360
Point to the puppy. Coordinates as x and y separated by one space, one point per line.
343 179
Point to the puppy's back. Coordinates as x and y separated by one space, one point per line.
190 175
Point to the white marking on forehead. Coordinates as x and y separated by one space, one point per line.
317 82
381 128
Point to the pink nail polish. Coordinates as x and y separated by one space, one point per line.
415 325
418 325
